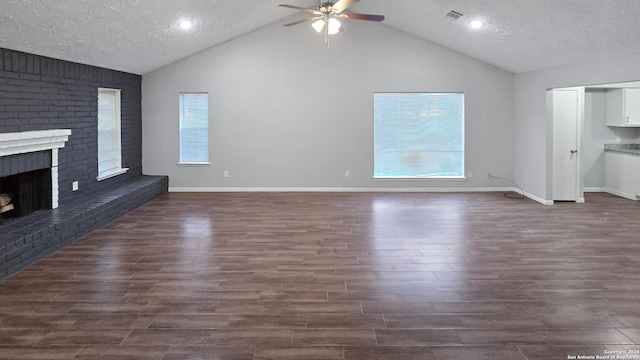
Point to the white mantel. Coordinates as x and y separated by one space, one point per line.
33 141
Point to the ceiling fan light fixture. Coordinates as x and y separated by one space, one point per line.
334 26
318 25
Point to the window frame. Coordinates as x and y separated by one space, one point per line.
199 162
116 135
462 159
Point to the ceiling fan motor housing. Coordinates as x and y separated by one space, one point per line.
326 8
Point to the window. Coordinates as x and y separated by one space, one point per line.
418 135
194 128
109 150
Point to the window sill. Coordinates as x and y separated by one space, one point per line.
194 163
112 173
417 178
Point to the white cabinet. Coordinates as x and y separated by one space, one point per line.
623 174
623 107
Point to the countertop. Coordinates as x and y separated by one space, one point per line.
623 148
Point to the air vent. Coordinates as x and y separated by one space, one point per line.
454 15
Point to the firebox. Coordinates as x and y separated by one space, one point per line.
24 193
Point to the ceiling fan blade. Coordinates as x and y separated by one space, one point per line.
301 9
342 5
363 17
303 21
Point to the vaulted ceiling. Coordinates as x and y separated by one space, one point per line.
139 36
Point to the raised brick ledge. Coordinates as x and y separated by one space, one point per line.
26 240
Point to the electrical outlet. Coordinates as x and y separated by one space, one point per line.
74 186
347 173
226 173
469 173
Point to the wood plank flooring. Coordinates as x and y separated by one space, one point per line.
337 276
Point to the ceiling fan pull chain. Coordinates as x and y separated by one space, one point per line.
326 33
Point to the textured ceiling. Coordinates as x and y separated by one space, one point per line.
522 35
142 35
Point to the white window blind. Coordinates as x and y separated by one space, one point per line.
109 147
418 135
194 128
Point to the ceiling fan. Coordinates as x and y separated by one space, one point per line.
327 15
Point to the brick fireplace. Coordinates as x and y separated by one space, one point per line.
44 94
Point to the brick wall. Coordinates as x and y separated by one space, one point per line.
41 93
19 163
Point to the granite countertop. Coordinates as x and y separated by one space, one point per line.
623 148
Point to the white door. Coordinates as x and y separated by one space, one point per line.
566 117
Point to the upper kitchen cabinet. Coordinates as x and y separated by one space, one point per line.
623 107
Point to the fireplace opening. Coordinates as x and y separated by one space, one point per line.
24 193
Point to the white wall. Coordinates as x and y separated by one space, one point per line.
286 112
595 134
532 126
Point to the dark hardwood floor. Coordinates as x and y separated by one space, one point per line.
337 276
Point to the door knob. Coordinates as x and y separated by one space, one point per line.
574 151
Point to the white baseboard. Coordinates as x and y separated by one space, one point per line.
340 189
595 189
335 189
538 199
622 194
389 190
